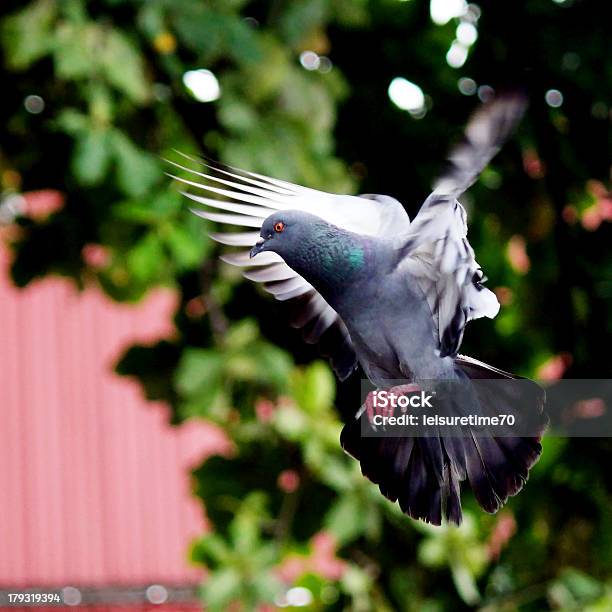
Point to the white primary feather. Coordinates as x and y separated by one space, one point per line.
384 217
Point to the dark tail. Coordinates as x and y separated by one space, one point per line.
424 473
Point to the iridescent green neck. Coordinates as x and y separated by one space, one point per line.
330 259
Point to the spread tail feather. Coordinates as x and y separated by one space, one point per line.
424 474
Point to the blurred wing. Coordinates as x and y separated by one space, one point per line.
436 249
245 199
451 279
487 130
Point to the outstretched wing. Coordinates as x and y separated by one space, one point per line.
436 249
245 199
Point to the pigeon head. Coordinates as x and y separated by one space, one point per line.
322 253
283 232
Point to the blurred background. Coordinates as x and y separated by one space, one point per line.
165 438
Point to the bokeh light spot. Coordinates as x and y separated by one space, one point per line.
407 95
442 11
325 64
467 86
71 596
554 98
485 93
202 84
310 60
156 594
457 54
299 597
467 34
34 104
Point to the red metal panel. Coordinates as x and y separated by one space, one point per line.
94 483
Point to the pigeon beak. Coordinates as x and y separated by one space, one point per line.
258 248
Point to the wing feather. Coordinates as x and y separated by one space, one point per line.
242 209
242 220
270 274
257 191
235 238
268 202
241 258
296 292
288 286
436 249
237 174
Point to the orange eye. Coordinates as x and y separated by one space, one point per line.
279 227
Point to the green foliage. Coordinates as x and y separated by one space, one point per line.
210 380
240 565
288 507
27 34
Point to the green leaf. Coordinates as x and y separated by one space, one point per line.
187 251
345 519
221 588
355 580
146 258
245 528
265 555
267 77
580 585
123 66
266 585
335 471
137 170
200 29
72 122
212 550
603 604
151 19
74 50
291 423
263 363
236 115
465 583
158 210
137 212
242 44
91 156
432 552
198 370
242 334
274 365
101 106
315 388
213 34
28 34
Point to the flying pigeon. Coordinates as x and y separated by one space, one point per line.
375 289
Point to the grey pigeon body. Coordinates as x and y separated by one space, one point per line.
375 289
382 305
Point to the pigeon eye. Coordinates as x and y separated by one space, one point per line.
279 227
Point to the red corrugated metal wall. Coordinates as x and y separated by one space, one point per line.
94 483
